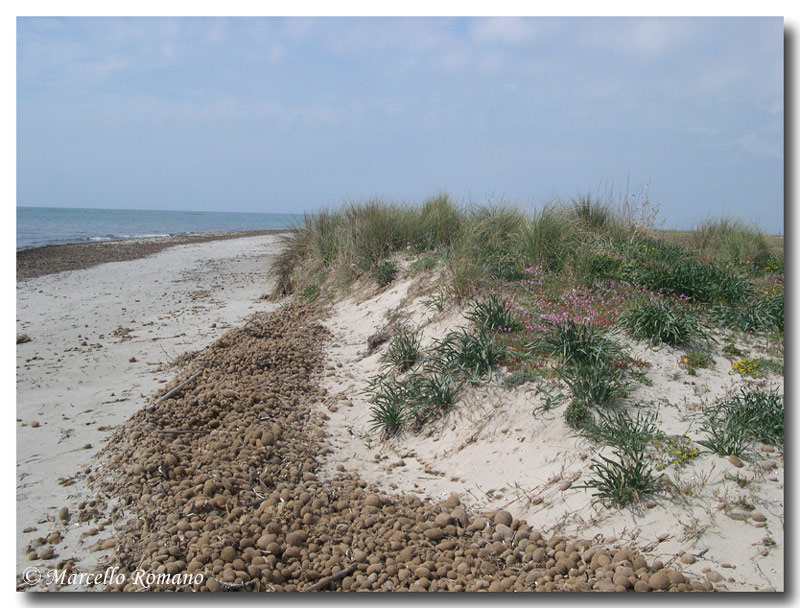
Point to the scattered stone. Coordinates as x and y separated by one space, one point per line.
735 461
739 515
714 576
34 424
758 516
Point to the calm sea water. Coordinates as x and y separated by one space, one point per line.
37 226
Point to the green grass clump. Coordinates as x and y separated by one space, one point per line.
761 313
576 344
600 382
619 429
591 365
411 401
485 248
467 354
388 412
669 268
660 320
623 480
384 272
733 241
591 212
439 223
432 394
404 349
493 314
754 414
547 238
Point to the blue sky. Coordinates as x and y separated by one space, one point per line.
288 115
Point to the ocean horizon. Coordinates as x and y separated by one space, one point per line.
40 226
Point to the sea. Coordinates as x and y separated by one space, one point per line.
39 226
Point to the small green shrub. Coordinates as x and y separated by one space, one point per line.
756 367
576 413
519 377
660 320
677 450
492 313
696 359
384 273
732 353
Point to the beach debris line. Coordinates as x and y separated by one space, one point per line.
245 507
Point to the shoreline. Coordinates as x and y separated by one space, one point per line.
51 259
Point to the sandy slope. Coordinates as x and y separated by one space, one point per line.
498 448
101 342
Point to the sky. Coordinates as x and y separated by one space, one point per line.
295 114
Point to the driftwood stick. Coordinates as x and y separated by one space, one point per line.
173 391
332 578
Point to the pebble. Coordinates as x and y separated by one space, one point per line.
34 424
735 461
714 576
503 517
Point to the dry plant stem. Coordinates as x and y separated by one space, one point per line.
173 391
332 578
